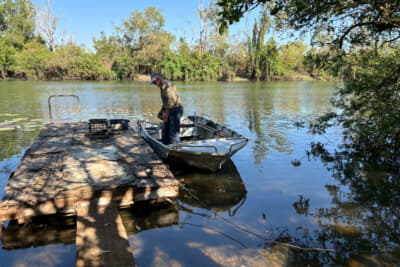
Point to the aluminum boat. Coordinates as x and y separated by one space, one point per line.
204 144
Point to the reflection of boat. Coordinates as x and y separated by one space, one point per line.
220 191
137 218
205 144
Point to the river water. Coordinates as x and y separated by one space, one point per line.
272 205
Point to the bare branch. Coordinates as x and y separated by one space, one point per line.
47 23
352 27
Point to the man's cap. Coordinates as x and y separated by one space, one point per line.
153 75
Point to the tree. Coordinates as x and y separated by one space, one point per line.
324 63
256 44
272 62
293 54
31 61
7 52
367 106
207 22
17 21
344 19
142 37
107 48
16 28
47 23
138 45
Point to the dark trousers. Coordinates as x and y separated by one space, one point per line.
170 131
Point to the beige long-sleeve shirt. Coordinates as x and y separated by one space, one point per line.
169 95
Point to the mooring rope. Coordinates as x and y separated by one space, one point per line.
239 227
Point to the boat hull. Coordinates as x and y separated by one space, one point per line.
197 154
202 161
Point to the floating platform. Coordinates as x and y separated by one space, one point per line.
65 169
68 172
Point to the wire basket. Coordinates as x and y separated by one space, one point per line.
98 127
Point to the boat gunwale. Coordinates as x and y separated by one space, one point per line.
175 147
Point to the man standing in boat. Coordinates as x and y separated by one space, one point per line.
171 111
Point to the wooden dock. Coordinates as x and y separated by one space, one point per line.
67 172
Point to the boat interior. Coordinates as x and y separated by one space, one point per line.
194 129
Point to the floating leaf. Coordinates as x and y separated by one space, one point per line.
8 115
32 126
20 119
30 123
6 129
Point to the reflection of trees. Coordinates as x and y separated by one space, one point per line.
258 108
14 142
253 116
363 225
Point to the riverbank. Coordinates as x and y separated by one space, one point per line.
146 78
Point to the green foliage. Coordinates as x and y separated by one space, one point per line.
72 62
144 39
370 101
293 54
233 10
323 64
17 21
272 62
31 62
368 105
191 66
7 52
124 67
359 22
16 28
136 46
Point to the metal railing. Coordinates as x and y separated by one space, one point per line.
240 143
59 96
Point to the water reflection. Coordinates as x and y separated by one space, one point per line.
46 241
42 231
362 225
54 230
220 191
143 217
200 235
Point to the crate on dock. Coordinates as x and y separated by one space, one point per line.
116 125
98 127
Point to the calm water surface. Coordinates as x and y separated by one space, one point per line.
260 210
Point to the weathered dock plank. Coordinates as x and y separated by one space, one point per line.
65 167
101 239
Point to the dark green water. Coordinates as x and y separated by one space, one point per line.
260 210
